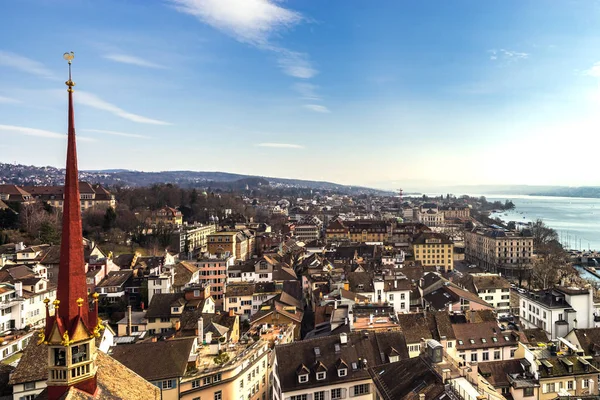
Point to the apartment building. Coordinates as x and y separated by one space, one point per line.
233 371
381 289
434 249
500 250
484 342
91 196
557 311
239 244
492 288
456 211
195 237
213 272
238 298
334 367
430 215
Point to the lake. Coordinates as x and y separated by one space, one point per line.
576 220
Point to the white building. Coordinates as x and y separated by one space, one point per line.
382 289
492 288
557 311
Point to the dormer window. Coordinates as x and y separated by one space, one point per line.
460 342
321 376
471 341
494 339
342 372
303 378
483 340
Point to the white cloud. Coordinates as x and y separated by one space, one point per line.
296 64
593 71
94 101
253 22
317 108
507 55
281 145
308 91
115 133
24 64
133 60
9 100
249 21
22 130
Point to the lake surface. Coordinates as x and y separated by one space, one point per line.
576 220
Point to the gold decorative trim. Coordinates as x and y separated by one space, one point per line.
42 338
66 341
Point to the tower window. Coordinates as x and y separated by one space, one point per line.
79 353
60 357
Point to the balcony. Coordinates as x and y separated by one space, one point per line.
9 303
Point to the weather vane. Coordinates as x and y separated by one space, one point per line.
69 57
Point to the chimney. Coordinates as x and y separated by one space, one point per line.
395 284
370 319
343 338
421 396
335 305
231 312
129 320
19 289
200 331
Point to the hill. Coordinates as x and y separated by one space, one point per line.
31 175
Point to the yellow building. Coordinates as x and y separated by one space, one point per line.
239 371
434 249
167 216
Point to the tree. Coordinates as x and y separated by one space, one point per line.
543 235
549 269
512 225
110 219
48 233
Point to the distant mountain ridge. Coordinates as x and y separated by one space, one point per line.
31 175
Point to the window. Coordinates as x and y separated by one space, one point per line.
303 378
549 388
319 396
474 357
361 389
342 372
196 384
391 296
569 385
299 397
336 394
449 345
512 353
485 356
79 353
402 295
60 357
528 392
585 383
496 354
218 395
320 376
29 385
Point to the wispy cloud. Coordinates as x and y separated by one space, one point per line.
593 71
24 64
253 22
115 133
94 101
317 108
22 130
133 60
507 55
9 100
308 91
281 145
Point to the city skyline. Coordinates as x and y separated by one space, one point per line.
378 96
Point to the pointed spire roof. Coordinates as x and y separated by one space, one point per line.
71 273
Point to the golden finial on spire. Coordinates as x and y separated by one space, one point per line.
46 302
69 57
79 302
56 303
95 296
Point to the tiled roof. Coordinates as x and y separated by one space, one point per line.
160 306
141 358
33 365
115 382
496 372
417 327
589 340
360 282
239 289
184 271
483 335
116 278
374 348
407 379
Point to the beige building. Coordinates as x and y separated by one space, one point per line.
91 196
239 371
434 249
196 236
499 250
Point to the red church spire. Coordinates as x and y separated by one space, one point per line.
71 332
71 273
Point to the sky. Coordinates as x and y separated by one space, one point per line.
379 93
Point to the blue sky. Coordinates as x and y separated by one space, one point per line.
379 93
